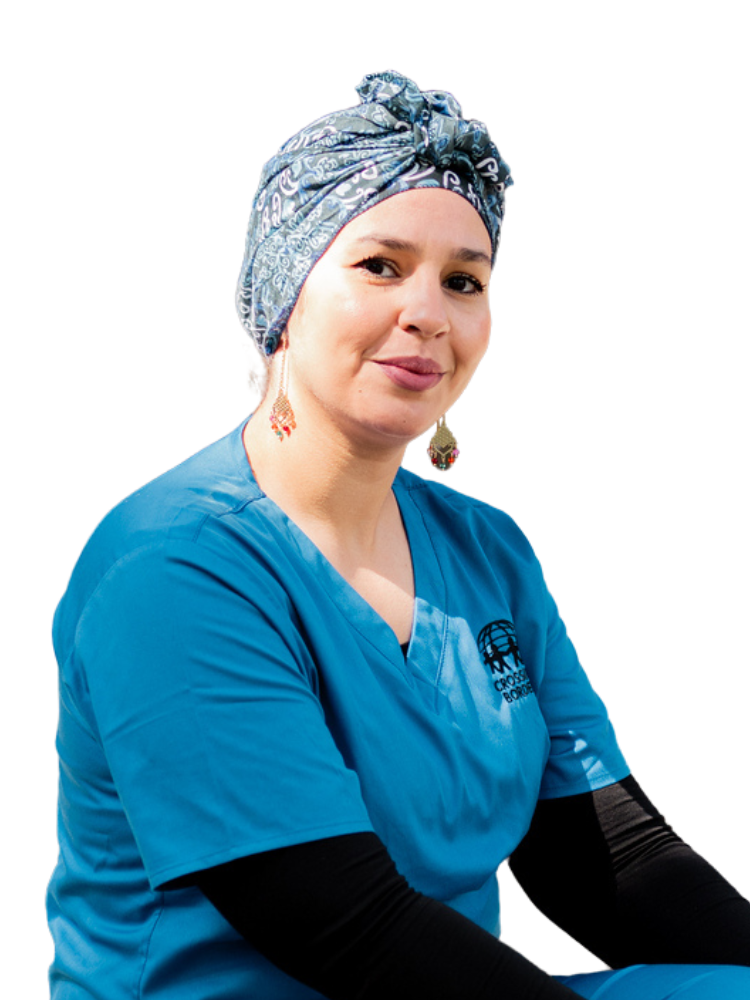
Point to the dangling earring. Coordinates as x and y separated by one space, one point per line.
443 450
282 415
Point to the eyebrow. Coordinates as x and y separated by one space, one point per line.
465 254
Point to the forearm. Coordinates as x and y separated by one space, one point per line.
608 869
336 915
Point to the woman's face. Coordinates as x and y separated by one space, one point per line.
393 319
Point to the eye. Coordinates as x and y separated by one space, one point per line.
378 266
465 284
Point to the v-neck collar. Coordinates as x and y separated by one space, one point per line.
429 621
359 613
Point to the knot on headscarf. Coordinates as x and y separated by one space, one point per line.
434 117
397 139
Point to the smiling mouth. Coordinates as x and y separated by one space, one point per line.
415 374
415 364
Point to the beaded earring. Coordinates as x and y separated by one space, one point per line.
443 450
282 415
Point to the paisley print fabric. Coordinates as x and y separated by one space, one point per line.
398 138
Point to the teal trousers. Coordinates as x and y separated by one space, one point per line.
664 982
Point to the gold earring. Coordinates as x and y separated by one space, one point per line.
443 450
282 415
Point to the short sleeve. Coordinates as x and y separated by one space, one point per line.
205 698
584 754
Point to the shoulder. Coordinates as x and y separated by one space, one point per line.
463 517
214 482
188 515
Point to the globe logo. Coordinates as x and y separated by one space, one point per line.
498 646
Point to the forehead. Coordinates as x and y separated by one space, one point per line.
423 217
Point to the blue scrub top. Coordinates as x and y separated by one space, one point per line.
224 691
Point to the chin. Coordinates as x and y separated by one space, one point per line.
390 433
388 422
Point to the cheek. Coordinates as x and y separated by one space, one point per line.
476 344
484 336
333 317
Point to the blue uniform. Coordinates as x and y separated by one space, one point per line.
224 692
664 982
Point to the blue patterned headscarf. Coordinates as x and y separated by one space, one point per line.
397 139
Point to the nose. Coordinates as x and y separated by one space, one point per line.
424 310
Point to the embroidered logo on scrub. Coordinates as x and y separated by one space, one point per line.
499 648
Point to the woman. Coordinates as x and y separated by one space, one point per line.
309 702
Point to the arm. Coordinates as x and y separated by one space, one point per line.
336 915
606 868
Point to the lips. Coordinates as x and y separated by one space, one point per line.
421 366
413 373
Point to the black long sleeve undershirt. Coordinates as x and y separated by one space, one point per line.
336 914
608 869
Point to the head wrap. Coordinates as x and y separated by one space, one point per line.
397 139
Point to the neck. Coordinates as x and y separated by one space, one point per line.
325 484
